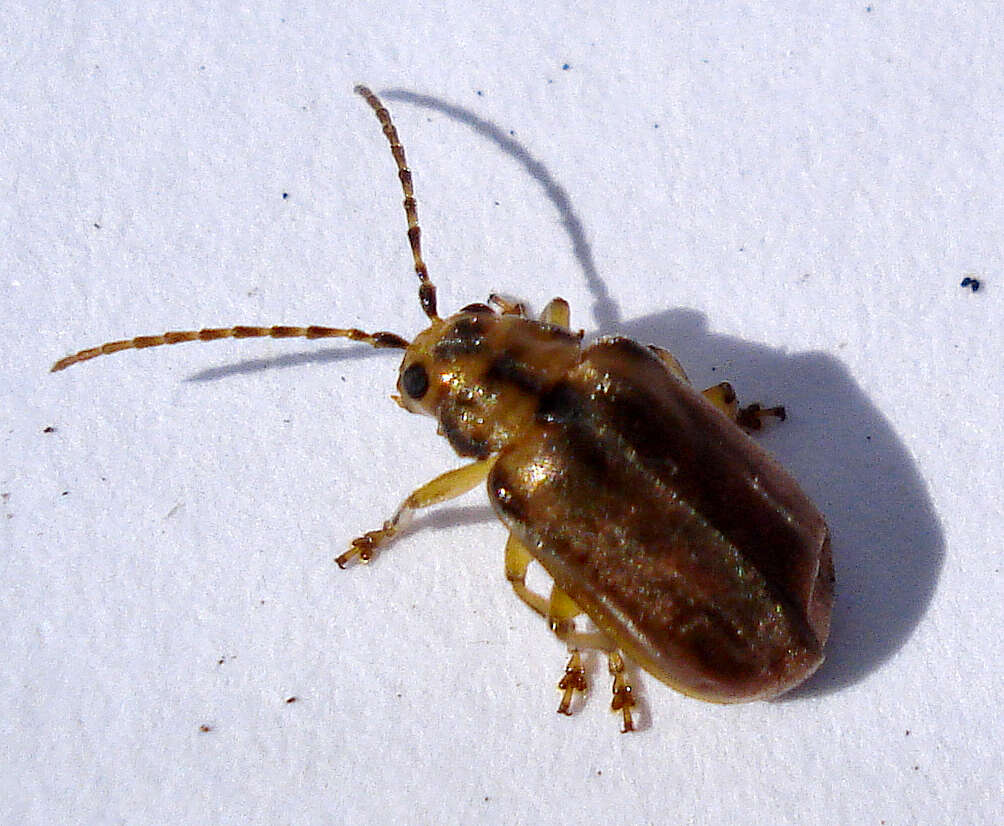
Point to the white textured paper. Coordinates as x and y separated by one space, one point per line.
785 196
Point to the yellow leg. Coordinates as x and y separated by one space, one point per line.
557 313
506 306
560 610
517 560
724 398
561 614
448 485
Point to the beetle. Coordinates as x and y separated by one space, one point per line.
691 550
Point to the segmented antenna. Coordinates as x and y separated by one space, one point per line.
426 289
380 340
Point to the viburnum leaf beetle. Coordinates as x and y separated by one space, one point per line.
689 547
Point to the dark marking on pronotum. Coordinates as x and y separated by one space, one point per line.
559 405
505 368
465 338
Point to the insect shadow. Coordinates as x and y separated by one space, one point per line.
605 311
888 545
328 355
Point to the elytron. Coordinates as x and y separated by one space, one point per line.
691 550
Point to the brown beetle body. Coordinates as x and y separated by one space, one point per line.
687 545
679 536
685 542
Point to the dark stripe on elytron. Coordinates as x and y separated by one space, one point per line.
718 489
666 436
580 550
465 338
505 368
566 411
591 458
560 404
722 643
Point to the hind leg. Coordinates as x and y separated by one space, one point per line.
723 396
751 417
560 610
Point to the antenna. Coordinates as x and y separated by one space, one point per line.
426 289
379 340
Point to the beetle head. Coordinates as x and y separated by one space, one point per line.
480 374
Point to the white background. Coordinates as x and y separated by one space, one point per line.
785 195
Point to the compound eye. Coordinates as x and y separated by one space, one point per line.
415 381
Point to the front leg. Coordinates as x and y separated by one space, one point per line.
447 485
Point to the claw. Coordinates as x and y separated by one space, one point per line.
623 700
361 547
752 415
574 680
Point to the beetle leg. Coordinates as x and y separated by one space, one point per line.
517 560
724 398
573 680
752 415
623 700
557 313
506 306
447 485
561 611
